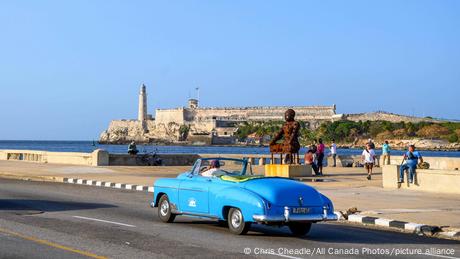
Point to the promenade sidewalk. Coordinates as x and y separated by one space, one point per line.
347 187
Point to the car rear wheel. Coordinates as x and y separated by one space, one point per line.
236 222
164 210
299 229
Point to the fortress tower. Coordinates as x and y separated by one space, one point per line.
192 103
142 113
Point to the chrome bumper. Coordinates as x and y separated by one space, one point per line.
288 217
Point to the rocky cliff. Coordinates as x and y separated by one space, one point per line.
125 131
386 116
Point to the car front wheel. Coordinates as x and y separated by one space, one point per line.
299 229
164 210
236 222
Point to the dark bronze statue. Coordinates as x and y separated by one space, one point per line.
290 134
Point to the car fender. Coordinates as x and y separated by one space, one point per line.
247 201
168 186
328 202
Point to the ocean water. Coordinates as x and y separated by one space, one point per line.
87 146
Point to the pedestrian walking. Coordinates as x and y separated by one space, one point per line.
334 153
368 157
320 155
386 153
411 157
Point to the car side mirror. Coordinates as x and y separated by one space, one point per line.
190 175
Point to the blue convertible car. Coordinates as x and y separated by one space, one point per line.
226 190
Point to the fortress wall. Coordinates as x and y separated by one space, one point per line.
166 116
203 126
209 113
117 124
267 113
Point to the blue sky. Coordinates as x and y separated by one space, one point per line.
69 67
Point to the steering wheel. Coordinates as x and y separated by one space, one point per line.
203 168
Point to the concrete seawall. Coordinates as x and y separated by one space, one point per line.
96 158
430 180
103 158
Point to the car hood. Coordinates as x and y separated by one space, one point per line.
285 192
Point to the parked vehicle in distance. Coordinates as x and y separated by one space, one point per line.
225 189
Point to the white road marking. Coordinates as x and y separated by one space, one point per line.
117 185
105 221
98 183
139 188
80 181
441 256
107 184
151 189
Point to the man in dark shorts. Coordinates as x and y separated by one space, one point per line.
368 157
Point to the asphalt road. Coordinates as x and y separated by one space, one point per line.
52 220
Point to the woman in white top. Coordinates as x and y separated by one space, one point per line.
334 153
368 157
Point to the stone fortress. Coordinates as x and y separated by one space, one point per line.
217 125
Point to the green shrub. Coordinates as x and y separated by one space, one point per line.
453 138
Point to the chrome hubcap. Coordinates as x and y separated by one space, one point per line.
164 208
237 218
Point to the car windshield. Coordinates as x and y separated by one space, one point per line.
221 166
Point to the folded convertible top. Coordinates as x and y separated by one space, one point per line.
240 178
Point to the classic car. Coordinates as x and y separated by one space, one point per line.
226 190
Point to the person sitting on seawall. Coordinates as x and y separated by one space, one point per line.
411 157
132 149
309 160
313 148
213 167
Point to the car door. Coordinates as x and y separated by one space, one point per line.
194 193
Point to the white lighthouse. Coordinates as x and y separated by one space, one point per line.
142 113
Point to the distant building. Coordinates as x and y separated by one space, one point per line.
217 125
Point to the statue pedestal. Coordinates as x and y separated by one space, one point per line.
288 171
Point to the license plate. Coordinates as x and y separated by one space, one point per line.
300 210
